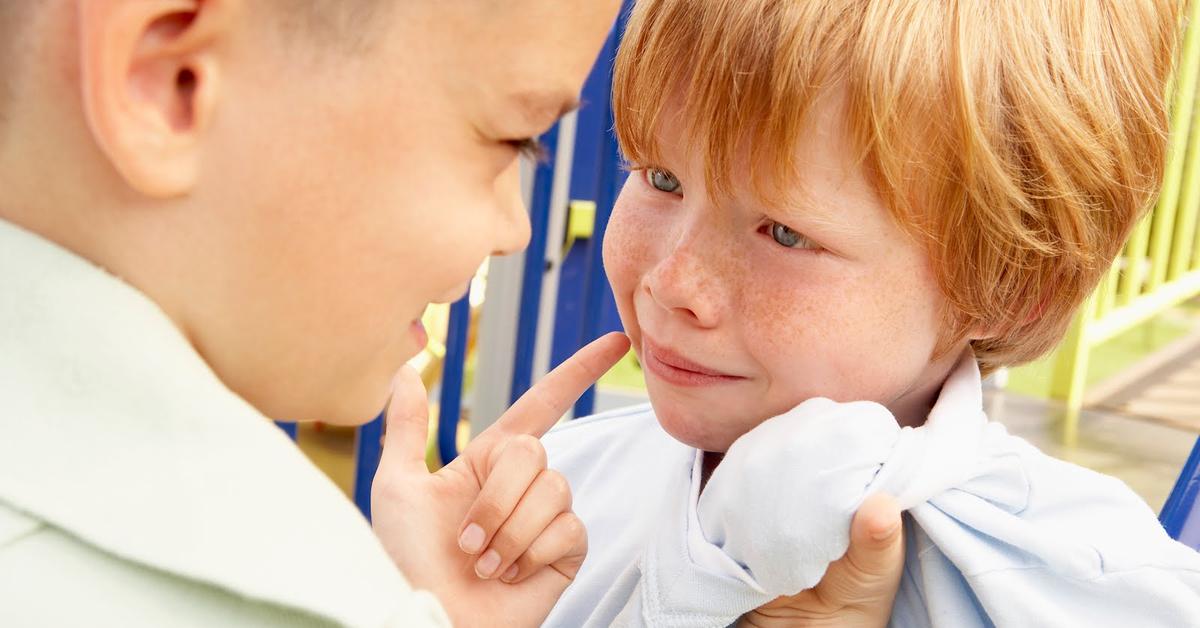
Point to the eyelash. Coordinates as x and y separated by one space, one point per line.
529 148
768 229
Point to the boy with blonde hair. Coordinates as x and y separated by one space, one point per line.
842 214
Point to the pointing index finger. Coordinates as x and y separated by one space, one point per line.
548 400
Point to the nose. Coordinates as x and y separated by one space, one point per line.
685 284
512 220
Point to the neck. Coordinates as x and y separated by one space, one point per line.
912 407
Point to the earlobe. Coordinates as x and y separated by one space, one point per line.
149 81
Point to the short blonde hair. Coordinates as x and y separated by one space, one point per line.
1018 140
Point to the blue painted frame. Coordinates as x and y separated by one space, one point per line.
609 178
368 447
586 308
450 405
289 427
1181 514
535 268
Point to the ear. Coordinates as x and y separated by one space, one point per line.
149 80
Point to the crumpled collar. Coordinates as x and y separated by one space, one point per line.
113 429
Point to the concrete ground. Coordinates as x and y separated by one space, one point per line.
1147 455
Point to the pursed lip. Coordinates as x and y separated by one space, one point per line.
678 369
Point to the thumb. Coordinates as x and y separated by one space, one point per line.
869 574
406 426
877 538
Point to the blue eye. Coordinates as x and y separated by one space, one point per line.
789 237
662 181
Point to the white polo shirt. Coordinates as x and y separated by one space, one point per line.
998 533
137 490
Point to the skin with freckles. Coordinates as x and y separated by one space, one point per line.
740 310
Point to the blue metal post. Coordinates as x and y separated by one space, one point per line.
288 427
609 181
535 268
597 288
1181 514
450 407
368 447
593 126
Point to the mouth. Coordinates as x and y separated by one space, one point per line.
680 371
417 330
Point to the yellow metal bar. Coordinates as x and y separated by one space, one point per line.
1160 266
1195 265
1106 296
1180 254
1145 307
1183 249
1135 261
1070 370
1138 244
581 222
1184 101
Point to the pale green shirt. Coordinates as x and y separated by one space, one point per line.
137 490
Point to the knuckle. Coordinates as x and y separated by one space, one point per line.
573 526
534 557
505 543
488 514
530 448
559 488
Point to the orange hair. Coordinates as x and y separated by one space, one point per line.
1018 140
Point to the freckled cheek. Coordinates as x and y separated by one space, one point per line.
816 337
629 245
908 318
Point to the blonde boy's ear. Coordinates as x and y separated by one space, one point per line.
149 80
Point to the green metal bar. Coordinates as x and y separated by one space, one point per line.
1130 293
1070 370
1108 291
1195 265
1183 249
1138 244
1146 306
1135 261
1185 226
1185 98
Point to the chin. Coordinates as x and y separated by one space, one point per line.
693 428
345 401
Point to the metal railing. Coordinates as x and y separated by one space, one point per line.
1159 267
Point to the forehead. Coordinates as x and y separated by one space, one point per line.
531 56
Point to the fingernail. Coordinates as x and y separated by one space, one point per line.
487 564
471 540
510 575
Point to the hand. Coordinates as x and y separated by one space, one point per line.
460 531
857 590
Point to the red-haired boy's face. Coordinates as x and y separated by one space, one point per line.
740 311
